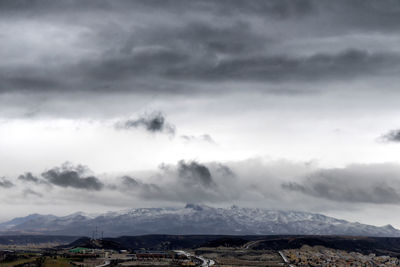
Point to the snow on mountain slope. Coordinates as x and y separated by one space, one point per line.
195 219
21 220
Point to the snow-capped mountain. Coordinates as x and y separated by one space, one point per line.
194 219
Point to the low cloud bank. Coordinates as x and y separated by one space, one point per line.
256 182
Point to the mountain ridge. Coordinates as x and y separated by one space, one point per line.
194 219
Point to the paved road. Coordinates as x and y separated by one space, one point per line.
251 244
285 259
205 262
106 263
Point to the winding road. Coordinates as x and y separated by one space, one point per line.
205 262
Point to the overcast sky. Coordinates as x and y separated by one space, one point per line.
276 104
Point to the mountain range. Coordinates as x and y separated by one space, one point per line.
192 219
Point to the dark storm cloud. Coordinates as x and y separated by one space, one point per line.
167 52
125 50
152 123
5 183
72 176
148 63
276 8
115 73
371 13
368 15
344 65
373 183
391 136
26 80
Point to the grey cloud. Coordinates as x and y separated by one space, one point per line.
5 183
202 39
19 79
184 182
391 136
150 62
375 14
164 57
225 170
369 15
187 181
373 183
73 176
222 40
153 123
28 177
365 13
275 8
280 184
195 173
278 9
129 181
144 190
28 192
45 5
165 52
202 138
137 73
344 65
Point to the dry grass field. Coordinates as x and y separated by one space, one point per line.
235 257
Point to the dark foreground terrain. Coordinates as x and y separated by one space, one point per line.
377 245
365 245
198 250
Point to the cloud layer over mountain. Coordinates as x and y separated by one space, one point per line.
278 184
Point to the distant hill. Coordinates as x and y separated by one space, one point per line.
87 242
35 239
365 245
194 219
152 242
